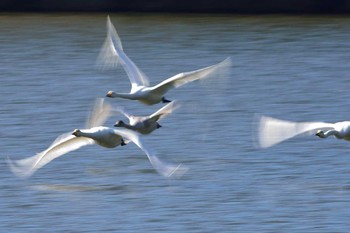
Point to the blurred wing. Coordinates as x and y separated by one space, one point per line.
121 110
112 53
272 131
186 77
107 58
99 114
164 111
62 145
163 168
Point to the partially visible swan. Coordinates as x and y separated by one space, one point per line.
146 124
112 53
272 131
103 136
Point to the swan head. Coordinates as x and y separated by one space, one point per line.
76 132
110 94
320 134
119 124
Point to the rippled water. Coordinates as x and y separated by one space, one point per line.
294 68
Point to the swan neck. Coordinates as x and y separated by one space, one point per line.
127 126
331 132
123 95
81 133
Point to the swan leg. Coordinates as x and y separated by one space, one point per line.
165 100
158 126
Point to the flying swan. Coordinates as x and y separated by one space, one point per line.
94 134
112 53
146 124
272 131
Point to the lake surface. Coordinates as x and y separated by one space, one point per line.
294 68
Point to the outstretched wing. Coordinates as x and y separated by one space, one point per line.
163 168
99 114
112 53
107 58
272 131
186 77
164 111
62 145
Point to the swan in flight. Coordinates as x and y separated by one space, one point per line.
146 124
112 53
94 134
272 131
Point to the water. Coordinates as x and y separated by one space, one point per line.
293 68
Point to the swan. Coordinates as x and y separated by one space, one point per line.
112 53
272 130
146 124
95 134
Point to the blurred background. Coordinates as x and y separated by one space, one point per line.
290 66
183 6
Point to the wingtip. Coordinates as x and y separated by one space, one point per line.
178 172
227 61
16 170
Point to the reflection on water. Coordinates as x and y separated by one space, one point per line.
293 68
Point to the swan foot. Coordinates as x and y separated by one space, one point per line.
158 126
123 142
165 100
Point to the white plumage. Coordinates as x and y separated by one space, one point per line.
272 131
103 136
112 53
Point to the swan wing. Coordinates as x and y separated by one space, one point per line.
112 53
186 77
163 168
121 110
99 114
164 111
272 131
107 58
62 145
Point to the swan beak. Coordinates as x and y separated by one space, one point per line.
118 124
319 133
75 132
109 94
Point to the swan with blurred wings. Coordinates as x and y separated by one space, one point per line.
272 131
112 53
145 124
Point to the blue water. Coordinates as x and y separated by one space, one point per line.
294 68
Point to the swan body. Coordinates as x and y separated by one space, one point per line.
103 136
272 131
112 53
146 124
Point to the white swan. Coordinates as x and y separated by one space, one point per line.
146 124
272 131
103 136
112 53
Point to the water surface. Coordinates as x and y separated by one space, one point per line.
294 68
